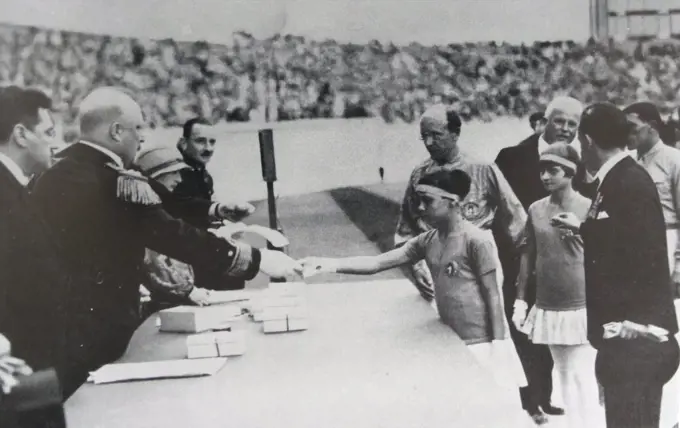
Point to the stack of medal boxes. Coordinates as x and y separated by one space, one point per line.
281 308
198 322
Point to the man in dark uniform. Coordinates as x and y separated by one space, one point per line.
627 274
520 166
104 216
197 146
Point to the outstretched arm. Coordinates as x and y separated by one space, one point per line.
412 251
362 265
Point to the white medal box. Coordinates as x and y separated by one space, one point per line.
259 305
195 319
218 344
284 319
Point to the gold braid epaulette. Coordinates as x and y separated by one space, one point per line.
133 187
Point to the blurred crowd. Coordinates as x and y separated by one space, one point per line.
288 78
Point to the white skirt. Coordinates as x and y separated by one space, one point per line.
556 327
501 359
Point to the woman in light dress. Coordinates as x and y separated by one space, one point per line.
553 260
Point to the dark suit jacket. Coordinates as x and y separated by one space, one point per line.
197 183
520 166
191 210
32 278
104 238
627 275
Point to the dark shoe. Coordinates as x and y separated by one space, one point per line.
538 417
549 409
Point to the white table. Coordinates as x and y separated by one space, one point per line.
375 356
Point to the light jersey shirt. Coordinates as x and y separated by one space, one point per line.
456 265
14 169
662 163
490 196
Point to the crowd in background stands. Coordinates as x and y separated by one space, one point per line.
311 79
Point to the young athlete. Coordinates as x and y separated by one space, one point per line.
461 259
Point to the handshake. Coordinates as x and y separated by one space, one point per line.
276 264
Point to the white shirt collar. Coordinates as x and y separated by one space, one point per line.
543 145
14 169
117 159
611 163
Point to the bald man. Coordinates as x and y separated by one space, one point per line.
520 165
104 216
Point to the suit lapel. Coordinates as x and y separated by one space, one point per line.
10 185
611 177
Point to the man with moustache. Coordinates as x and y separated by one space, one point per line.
662 162
197 146
490 196
520 166
104 216
627 276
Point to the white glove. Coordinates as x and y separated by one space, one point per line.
317 265
519 313
278 265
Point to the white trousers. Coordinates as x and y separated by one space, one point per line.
670 401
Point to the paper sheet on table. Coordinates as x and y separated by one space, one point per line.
228 296
274 237
111 373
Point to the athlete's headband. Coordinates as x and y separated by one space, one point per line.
436 191
560 161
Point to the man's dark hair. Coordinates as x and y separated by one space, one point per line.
606 125
456 181
453 122
20 106
535 118
189 126
648 113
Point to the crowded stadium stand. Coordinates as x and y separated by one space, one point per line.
322 79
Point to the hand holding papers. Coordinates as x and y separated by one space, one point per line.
312 266
631 330
156 370
230 230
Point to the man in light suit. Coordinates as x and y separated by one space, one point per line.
627 275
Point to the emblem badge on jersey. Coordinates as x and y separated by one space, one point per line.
471 210
451 269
